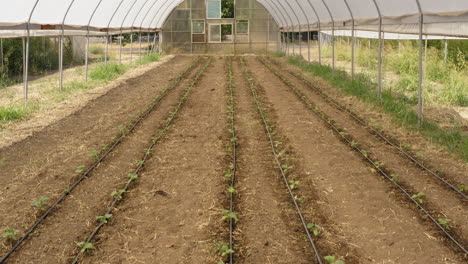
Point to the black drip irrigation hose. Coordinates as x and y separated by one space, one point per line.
148 152
261 108
375 131
95 164
354 146
233 169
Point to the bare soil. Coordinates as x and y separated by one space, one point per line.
174 212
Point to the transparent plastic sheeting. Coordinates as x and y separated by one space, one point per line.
109 15
441 17
389 36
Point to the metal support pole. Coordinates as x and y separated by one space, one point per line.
353 40
319 39
107 32
87 39
1 51
148 49
445 51
333 35
121 26
131 46
308 30
61 46
379 91
298 26
25 54
420 75
292 25
139 40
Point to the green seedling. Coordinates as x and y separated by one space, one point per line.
379 127
118 194
113 138
66 191
94 153
104 146
333 260
314 228
104 218
286 168
80 169
354 144
278 143
148 151
10 235
419 154
228 173
440 170
85 247
298 198
364 153
139 162
418 197
222 249
379 164
406 146
462 187
293 184
121 129
132 176
233 139
444 222
228 214
40 204
344 134
231 189
395 177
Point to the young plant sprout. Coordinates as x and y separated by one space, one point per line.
40 204
333 260
418 197
10 235
104 218
132 176
293 184
85 247
228 214
118 194
80 169
314 228
444 222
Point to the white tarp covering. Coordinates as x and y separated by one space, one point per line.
447 17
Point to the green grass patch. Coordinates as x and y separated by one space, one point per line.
107 73
399 107
96 50
12 113
152 57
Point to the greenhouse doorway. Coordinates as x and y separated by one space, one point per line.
220 33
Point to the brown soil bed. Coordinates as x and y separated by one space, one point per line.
173 214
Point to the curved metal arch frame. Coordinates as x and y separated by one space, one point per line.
288 33
121 26
420 70
299 27
308 30
333 35
283 23
319 39
26 54
379 88
107 32
61 46
87 38
353 39
269 9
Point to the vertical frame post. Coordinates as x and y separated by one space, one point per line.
308 30
319 39
87 39
62 37
353 39
379 88
25 54
420 74
333 35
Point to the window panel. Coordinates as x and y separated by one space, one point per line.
215 33
213 9
242 27
198 26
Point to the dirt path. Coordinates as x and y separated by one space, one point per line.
268 230
179 196
58 173
362 204
438 197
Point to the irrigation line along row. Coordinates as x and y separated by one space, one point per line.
354 146
233 165
363 123
261 109
148 152
124 134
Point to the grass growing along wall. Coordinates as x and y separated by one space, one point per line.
398 107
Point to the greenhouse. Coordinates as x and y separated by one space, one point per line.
234 131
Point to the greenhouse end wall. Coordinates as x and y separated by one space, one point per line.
193 29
